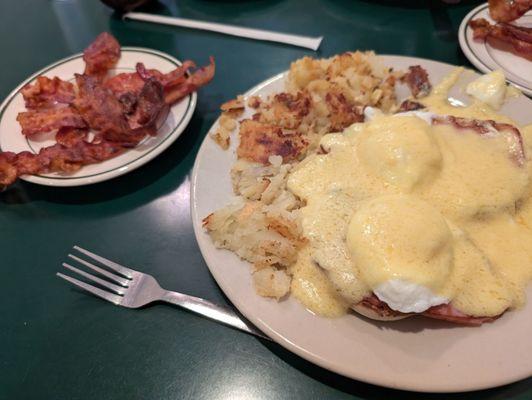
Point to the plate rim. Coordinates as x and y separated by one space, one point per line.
470 54
144 158
280 339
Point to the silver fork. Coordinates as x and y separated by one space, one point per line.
134 289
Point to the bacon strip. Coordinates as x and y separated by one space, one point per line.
508 10
101 110
506 37
417 80
171 78
490 128
56 158
150 106
46 93
520 32
199 78
69 137
33 122
124 83
101 55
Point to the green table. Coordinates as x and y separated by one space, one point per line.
58 343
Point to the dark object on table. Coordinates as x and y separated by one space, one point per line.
124 5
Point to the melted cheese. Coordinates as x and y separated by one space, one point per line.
397 199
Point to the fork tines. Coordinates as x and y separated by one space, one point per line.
121 276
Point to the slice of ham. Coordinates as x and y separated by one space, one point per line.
446 312
449 313
489 128
379 307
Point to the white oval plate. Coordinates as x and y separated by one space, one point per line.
12 139
518 70
415 354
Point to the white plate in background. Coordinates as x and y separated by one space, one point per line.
518 70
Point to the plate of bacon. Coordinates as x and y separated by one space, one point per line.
498 36
96 115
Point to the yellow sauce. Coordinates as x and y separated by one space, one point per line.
399 198
311 286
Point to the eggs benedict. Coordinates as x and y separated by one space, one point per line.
424 212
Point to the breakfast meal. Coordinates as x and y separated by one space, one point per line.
349 199
99 115
503 34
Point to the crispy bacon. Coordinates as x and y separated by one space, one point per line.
101 55
46 93
503 36
102 111
446 312
124 83
199 78
520 32
56 158
417 80
33 122
69 137
508 10
490 128
171 78
150 105
121 111
126 87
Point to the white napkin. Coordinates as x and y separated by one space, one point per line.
257 34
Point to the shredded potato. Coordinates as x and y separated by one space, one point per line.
321 96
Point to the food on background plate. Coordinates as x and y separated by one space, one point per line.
508 10
99 115
504 35
389 208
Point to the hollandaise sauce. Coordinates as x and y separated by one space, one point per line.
418 213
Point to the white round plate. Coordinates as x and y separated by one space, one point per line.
518 70
417 353
12 139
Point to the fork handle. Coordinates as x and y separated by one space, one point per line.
210 310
